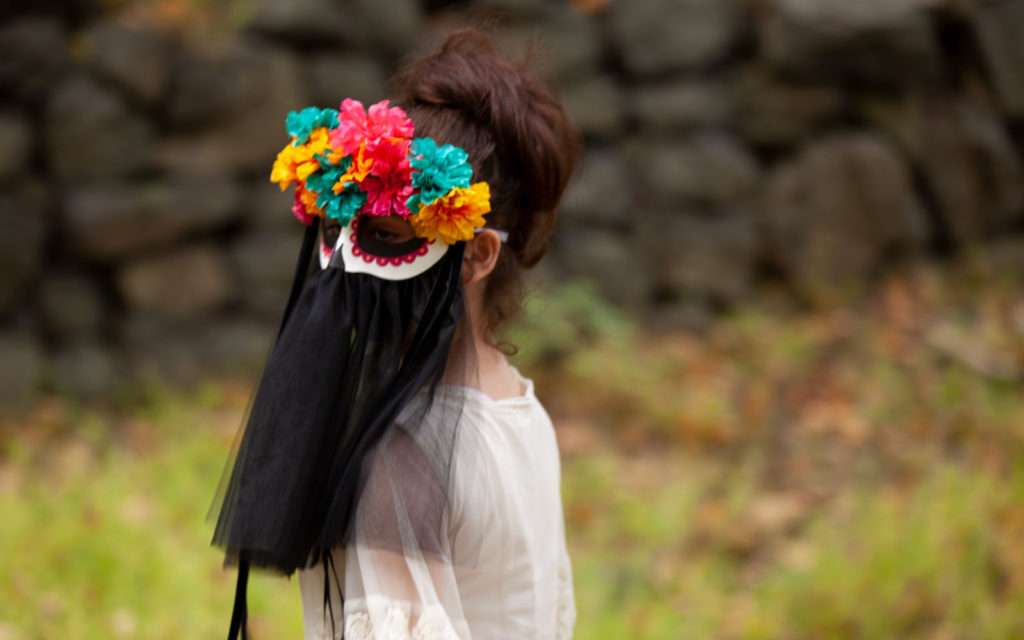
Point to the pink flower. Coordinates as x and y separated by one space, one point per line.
389 184
381 124
299 209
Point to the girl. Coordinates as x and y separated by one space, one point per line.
392 455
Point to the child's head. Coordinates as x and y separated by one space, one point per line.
519 140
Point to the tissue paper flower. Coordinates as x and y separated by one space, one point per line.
455 215
375 127
359 167
437 170
339 204
369 164
389 184
297 162
300 124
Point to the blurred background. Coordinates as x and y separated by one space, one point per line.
780 329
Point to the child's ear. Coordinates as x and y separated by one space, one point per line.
480 256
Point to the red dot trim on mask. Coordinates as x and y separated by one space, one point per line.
381 261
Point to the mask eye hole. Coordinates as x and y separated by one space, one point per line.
386 236
330 230
387 229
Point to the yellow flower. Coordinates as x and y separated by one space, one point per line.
309 199
455 215
361 165
295 163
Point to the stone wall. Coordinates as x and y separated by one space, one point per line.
809 143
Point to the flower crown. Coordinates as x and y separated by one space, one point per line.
366 162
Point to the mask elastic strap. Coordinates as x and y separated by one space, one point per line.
240 613
502 235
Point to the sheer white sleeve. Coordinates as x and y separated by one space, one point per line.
396 574
455 537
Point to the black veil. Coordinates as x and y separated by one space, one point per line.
355 355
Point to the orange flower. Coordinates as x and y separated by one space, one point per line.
454 216
308 198
362 164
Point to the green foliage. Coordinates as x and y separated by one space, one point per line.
565 320
855 474
103 532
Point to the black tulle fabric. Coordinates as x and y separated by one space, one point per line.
353 353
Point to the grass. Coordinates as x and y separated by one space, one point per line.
104 533
854 472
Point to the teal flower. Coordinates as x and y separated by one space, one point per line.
300 124
323 179
436 171
341 206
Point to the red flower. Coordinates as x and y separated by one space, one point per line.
389 184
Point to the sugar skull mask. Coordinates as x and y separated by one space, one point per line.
353 168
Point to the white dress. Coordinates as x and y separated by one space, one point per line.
501 570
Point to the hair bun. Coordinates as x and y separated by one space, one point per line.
516 132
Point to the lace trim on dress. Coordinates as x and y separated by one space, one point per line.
395 626
566 616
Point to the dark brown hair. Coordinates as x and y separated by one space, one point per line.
519 140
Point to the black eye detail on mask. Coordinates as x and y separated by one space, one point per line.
375 242
331 229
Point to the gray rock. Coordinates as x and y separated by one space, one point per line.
237 345
108 221
514 8
211 83
159 349
23 228
685 106
201 155
709 168
966 156
1005 255
661 36
434 30
564 45
268 208
183 352
15 145
710 256
332 78
264 264
773 113
595 106
187 283
134 58
388 24
606 257
22 365
832 215
226 80
601 191
972 168
32 53
999 26
72 305
91 133
242 95
86 371
570 45
305 20
875 43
